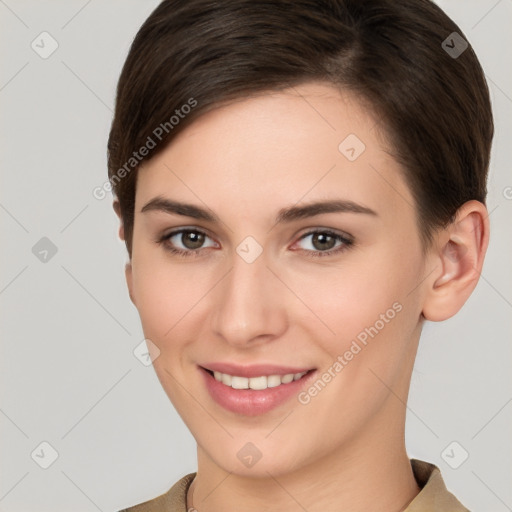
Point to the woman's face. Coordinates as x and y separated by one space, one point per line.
265 286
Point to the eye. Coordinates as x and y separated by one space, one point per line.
186 242
325 242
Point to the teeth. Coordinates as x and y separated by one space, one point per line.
257 383
239 382
226 379
273 381
285 379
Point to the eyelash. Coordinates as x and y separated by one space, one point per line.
347 242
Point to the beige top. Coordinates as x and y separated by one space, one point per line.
433 497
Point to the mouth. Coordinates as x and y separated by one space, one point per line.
258 391
257 383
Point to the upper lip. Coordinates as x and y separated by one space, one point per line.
253 370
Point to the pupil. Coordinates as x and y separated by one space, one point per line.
321 238
192 240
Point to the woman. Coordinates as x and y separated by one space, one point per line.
300 185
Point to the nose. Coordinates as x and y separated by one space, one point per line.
249 304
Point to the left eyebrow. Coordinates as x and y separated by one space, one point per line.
317 208
288 214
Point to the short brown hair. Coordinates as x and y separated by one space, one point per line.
394 54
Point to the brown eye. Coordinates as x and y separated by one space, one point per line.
186 241
323 241
192 239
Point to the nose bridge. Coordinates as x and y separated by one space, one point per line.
247 305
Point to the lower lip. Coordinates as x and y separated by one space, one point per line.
252 402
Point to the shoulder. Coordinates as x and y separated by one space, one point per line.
174 500
433 495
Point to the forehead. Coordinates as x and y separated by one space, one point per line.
254 155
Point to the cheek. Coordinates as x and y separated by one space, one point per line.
366 297
170 296
349 295
164 293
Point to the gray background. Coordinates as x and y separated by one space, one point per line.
68 375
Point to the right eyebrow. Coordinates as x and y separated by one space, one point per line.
178 208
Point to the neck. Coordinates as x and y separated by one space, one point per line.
373 471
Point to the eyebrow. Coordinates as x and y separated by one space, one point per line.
288 214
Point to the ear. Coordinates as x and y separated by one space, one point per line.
128 266
117 208
458 256
129 281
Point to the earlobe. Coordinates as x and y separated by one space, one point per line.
460 255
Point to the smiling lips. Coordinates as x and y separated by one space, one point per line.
252 390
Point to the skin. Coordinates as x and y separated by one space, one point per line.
245 161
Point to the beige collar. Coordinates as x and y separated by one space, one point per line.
433 494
